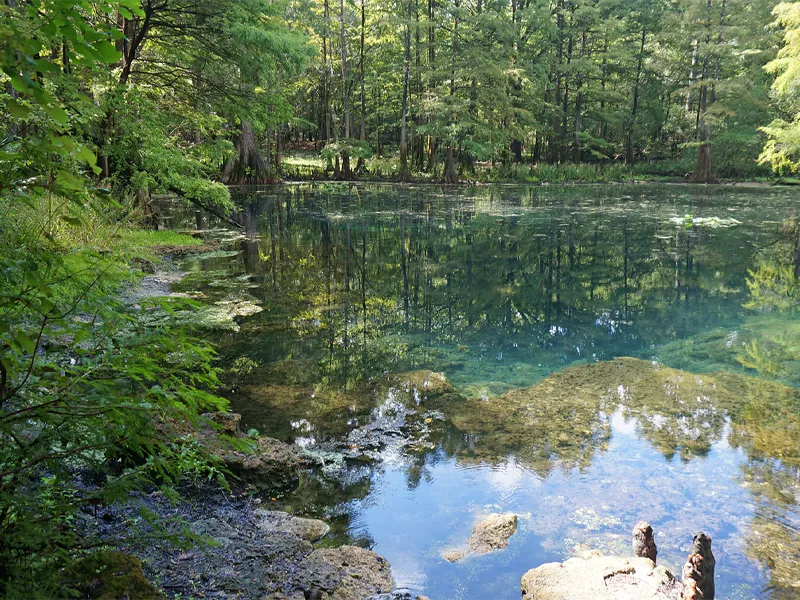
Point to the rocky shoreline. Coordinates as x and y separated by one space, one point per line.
249 551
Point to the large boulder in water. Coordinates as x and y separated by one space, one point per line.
601 578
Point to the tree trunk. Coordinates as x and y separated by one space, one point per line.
703 172
346 172
629 151
692 75
328 69
576 139
562 146
247 165
345 87
362 135
405 174
449 167
516 150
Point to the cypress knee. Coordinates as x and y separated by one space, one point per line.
643 543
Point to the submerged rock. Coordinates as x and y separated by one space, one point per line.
398 594
489 534
601 578
422 385
565 418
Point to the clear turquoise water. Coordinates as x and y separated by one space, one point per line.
498 287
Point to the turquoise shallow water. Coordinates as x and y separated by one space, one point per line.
499 287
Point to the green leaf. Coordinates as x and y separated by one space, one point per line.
69 181
108 52
86 156
18 83
25 342
59 115
42 97
17 110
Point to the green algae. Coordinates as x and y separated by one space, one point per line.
565 417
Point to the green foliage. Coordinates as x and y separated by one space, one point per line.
84 385
773 286
151 159
782 150
136 238
85 381
353 148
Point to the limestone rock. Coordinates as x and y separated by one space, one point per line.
643 542
489 534
346 573
275 520
228 422
398 594
270 465
273 464
601 578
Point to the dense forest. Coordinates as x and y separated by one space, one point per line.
170 95
108 106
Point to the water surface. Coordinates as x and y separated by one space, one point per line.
501 288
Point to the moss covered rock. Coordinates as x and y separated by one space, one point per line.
110 575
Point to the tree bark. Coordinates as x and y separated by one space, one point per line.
345 87
576 139
703 172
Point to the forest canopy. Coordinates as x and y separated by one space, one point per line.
180 97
